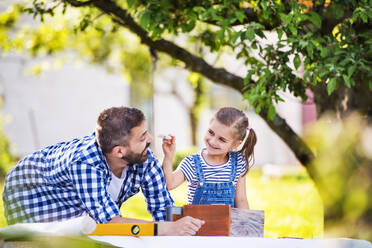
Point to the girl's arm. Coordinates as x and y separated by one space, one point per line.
240 194
172 178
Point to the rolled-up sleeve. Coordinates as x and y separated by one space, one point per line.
89 184
155 191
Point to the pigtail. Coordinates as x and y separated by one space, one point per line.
248 149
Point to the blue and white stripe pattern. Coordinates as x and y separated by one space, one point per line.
71 179
212 173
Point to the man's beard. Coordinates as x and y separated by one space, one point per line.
136 158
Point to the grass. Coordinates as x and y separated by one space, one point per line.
291 203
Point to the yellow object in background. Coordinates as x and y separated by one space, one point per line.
127 229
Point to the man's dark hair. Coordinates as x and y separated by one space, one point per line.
114 126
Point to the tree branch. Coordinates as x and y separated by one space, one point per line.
77 3
217 75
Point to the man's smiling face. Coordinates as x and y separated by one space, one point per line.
139 141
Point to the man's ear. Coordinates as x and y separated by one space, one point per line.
119 151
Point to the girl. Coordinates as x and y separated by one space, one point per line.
216 175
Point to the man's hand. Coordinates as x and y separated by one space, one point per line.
182 227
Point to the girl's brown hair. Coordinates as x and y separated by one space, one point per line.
236 118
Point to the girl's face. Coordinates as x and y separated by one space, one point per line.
220 139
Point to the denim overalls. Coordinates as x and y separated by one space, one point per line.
215 193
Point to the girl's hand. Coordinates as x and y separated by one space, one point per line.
172 178
169 146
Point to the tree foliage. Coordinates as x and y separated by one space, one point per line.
332 39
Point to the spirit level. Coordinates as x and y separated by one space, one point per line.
126 229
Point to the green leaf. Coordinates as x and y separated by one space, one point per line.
297 61
344 62
310 50
234 37
323 52
280 33
145 19
254 45
260 33
303 43
240 15
84 24
252 98
364 17
332 85
285 18
192 15
315 18
351 70
271 112
187 27
293 30
250 34
347 81
220 34
352 81
256 25
130 3
247 79
258 108
199 9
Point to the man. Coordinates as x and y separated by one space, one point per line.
94 175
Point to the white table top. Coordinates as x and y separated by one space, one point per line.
228 242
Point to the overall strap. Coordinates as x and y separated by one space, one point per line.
234 166
198 169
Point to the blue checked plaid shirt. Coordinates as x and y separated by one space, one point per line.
71 179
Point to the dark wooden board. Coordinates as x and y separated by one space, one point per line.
217 218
